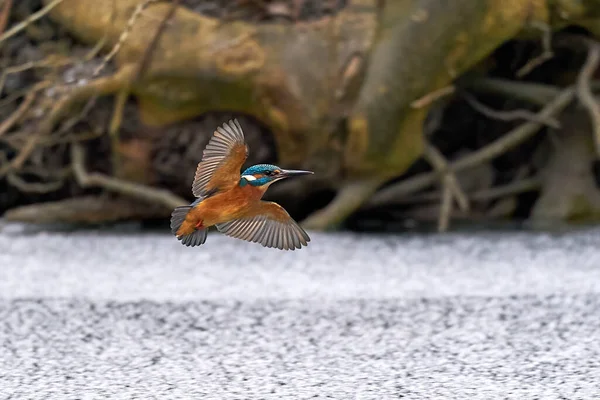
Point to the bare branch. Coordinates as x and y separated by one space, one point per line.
440 164
511 139
584 91
101 86
29 187
31 19
508 115
130 23
510 189
547 52
446 206
4 14
19 113
131 189
433 96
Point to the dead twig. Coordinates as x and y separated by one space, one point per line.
131 189
493 193
98 87
45 63
440 164
508 115
29 20
123 94
4 14
513 138
433 96
584 91
124 35
19 113
547 52
446 205
31 187
450 187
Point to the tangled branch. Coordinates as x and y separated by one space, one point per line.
584 90
513 138
142 192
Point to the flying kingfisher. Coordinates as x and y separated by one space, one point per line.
232 201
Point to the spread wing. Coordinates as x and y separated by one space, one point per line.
268 224
222 160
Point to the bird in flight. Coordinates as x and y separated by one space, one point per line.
232 201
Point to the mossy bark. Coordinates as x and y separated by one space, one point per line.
297 79
365 66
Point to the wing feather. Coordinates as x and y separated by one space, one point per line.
268 224
222 160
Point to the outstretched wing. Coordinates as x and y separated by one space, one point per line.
268 224
222 160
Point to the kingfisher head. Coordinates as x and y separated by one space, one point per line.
265 174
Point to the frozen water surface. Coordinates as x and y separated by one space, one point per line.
96 315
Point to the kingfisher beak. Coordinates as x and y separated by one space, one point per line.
288 173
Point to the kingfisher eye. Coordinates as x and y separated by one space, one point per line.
270 173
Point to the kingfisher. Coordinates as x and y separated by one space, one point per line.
231 201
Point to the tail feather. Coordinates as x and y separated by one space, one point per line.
178 217
194 238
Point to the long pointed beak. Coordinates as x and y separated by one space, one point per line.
288 173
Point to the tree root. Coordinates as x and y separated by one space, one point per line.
19 112
584 90
123 94
154 196
98 87
494 193
4 13
546 54
433 96
352 196
451 187
513 138
508 115
93 209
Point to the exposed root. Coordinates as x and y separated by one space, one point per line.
349 198
4 14
49 62
29 187
433 96
83 210
123 94
440 164
513 138
446 205
584 90
115 125
450 187
508 115
534 93
99 87
154 196
19 113
124 35
494 193
547 52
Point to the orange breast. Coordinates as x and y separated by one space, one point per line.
228 205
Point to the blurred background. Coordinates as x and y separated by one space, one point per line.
478 119
414 115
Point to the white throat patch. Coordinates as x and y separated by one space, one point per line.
249 177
